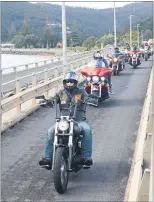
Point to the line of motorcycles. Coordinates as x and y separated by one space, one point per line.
97 79
135 58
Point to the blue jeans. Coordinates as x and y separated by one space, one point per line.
87 141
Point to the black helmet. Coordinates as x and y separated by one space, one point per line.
116 49
134 48
72 77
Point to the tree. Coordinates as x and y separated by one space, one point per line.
12 31
89 42
107 39
74 36
19 41
49 38
30 40
25 28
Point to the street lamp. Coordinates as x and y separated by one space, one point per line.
115 34
138 34
142 36
64 40
131 30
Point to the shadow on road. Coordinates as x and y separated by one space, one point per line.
116 102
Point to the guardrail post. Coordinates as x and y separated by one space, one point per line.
46 79
46 75
18 89
34 82
56 73
14 69
26 67
36 64
64 69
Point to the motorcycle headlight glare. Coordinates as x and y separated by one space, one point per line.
88 78
134 55
102 78
115 59
63 125
95 79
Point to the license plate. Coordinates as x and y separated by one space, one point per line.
95 87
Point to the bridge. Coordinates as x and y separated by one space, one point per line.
122 137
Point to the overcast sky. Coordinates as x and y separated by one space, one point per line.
92 4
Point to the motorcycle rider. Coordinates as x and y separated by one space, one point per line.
100 60
99 57
116 54
65 98
135 51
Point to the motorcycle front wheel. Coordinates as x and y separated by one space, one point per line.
134 65
60 172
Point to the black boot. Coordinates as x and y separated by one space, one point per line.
87 161
45 163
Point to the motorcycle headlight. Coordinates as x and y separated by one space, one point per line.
63 125
95 78
102 78
88 78
115 59
134 55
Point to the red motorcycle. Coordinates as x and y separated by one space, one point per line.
97 84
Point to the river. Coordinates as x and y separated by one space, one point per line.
8 60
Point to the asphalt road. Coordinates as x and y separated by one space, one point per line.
114 126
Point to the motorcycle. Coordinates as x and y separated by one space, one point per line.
97 84
67 146
134 60
117 67
146 54
126 54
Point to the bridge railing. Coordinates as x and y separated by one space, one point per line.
36 64
140 186
24 77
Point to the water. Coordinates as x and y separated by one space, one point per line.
8 60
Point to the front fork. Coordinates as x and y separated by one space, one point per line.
70 145
100 88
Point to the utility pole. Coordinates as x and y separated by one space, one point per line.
131 30
142 36
138 34
0 85
115 32
64 40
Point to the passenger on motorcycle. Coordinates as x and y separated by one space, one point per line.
71 94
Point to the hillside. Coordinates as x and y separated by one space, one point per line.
90 22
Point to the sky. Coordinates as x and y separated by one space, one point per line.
92 4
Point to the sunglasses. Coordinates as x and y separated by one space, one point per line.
69 81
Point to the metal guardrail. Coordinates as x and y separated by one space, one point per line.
9 80
37 64
141 180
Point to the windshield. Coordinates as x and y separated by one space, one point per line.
96 63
